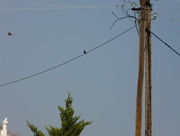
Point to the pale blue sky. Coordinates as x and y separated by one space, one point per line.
103 82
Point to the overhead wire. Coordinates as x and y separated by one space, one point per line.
26 5
161 14
165 43
121 19
69 7
68 61
127 16
168 11
44 7
169 17
152 32
175 1
130 17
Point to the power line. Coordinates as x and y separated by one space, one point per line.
164 42
122 18
175 1
68 61
168 11
169 17
44 7
26 5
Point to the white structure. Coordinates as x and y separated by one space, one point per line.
4 128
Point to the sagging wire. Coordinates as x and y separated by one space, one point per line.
133 4
126 12
121 18
68 61
127 16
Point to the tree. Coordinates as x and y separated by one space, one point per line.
69 123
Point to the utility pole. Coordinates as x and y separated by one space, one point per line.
144 48
141 70
148 92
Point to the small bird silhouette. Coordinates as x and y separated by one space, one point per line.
10 34
84 52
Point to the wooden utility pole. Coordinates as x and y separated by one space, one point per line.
144 47
148 111
141 70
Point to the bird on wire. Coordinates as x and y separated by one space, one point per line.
85 52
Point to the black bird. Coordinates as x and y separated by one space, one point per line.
10 34
85 52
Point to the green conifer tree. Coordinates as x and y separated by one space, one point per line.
70 126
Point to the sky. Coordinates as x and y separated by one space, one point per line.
103 82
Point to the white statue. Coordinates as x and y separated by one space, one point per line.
4 129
